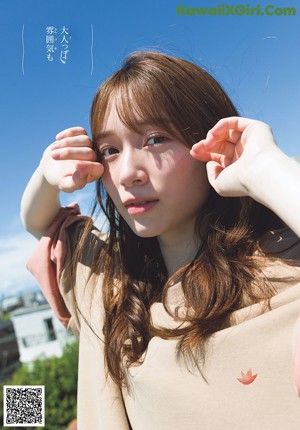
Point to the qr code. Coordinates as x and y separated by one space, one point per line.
24 406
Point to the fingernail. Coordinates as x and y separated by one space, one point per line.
59 136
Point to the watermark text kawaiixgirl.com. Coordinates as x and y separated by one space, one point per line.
236 10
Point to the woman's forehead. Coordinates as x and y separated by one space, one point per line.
133 118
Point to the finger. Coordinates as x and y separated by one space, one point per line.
71 183
69 132
91 170
81 174
221 131
213 171
233 136
81 140
228 129
74 153
223 180
220 159
204 152
219 180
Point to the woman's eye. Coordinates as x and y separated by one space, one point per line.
155 140
108 152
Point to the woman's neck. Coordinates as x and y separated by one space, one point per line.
179 249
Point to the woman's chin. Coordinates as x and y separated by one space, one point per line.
143 231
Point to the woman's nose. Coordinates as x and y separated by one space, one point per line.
133 169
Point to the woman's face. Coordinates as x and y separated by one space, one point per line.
155 184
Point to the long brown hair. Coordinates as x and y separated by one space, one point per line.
223 275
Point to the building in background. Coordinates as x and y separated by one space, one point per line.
39 332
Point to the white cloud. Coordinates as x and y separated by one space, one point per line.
14 253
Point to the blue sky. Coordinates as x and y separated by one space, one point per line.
256 59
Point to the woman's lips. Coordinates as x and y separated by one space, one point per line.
141 207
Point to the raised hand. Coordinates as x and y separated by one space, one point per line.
70 162
67 165
235 150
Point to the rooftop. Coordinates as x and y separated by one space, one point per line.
30 309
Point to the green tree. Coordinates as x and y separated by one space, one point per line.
59 376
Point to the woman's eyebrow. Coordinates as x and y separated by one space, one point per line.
139 125
104 135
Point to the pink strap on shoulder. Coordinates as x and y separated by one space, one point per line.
46 262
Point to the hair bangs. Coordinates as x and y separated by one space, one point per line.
137 102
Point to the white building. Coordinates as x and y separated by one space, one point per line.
39 333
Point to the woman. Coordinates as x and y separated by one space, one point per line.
187 311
